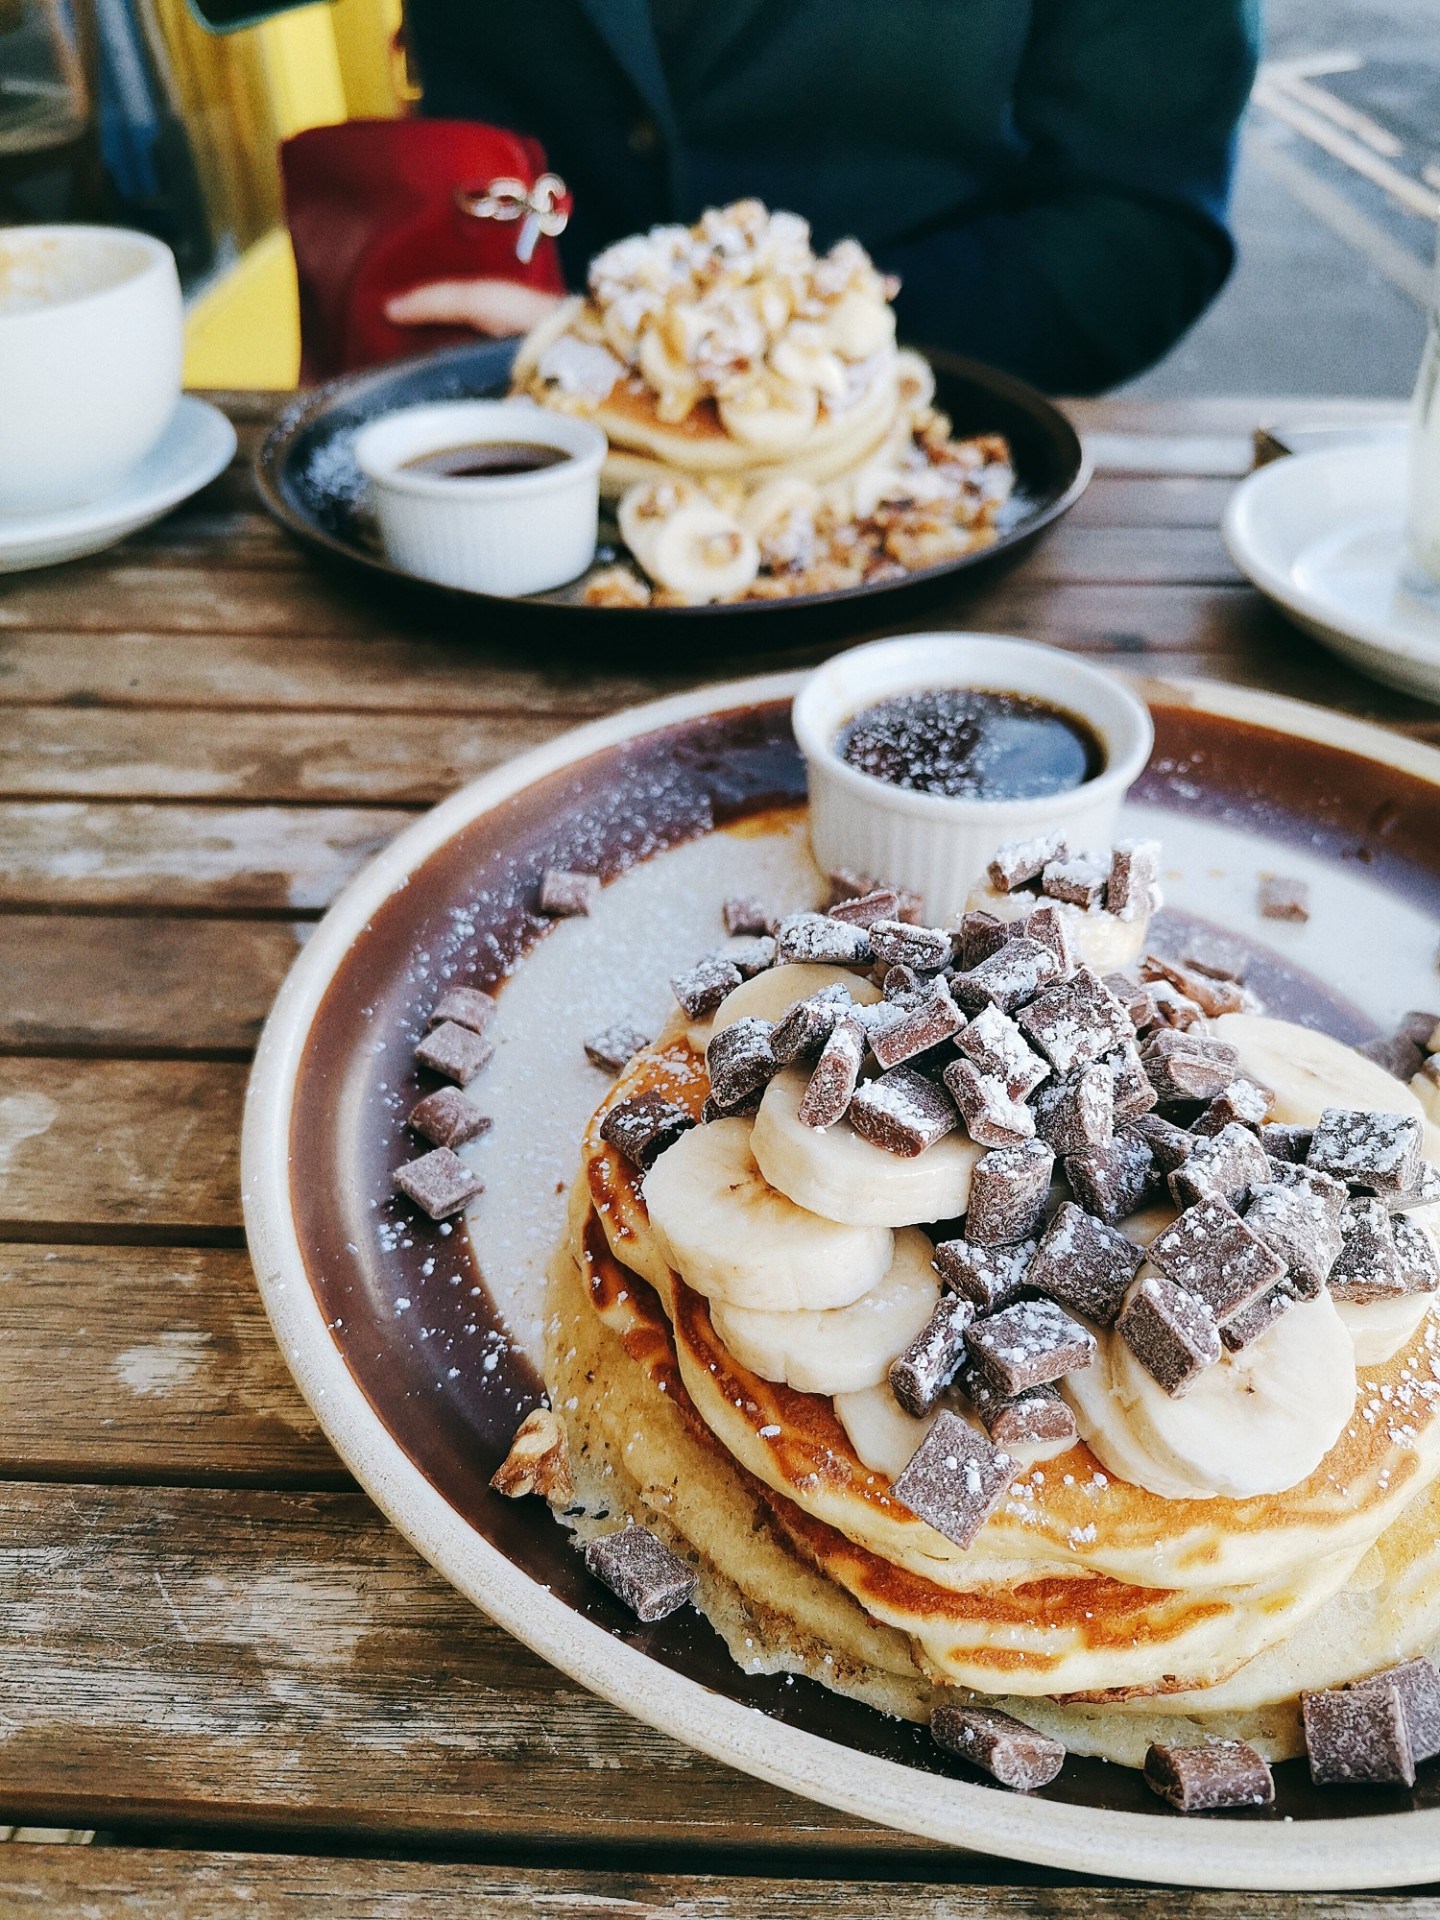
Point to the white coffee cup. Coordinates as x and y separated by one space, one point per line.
90 358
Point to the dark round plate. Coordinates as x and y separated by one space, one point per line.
383 1316
308 479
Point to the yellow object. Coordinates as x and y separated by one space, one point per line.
244 331
242 94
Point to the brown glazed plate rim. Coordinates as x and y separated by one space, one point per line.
1139 1839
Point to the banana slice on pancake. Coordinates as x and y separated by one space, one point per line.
1380 1328
773 416
1257 1422
1102 941
844 1349
1308 1071
770 995
731 1236
883 1435
836 1173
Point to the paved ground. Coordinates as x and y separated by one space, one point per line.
1336 203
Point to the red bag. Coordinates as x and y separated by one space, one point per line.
377 207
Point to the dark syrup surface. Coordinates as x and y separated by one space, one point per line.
486 459
971 744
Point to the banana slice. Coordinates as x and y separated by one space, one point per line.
773 416
843 1177
645 508
732 1237
1258 1421
1427 1092
702 554
1309 1071
915 380
1104 943
1380 1328
771 994
802 356
674 383
771 505
883 1435
858 327
847 1348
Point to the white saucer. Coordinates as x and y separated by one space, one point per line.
1323 535
198 443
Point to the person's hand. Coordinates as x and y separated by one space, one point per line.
495 307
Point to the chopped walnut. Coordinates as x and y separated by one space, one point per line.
616 587
538 1461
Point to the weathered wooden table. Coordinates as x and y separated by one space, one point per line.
212 1648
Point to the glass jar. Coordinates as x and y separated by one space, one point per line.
1422 519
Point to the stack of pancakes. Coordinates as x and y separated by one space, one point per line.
1099 1611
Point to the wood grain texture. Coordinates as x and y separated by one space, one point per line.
119 1148
284 1660
135 1363
139 984
110 1883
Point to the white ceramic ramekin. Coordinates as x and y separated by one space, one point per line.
931 843
90 350
494 533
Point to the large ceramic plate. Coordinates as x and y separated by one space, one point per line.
308 478
416 1346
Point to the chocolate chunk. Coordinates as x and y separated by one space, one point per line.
927 1366
1007 979
814 939
1242 1103
1134 995
1298 1226
998 1048
1076 1114
980 935
1216 954
927 949
1009 1188
1173 1012
1114 1181
902 1111
849 885
988 1276
1418 1261
616 1047
1358 1734
1029 1344
1170 1332
1332 1194
1424 1193
564 894
742 913
440 1182
455 1052
1247 1325
1005 1748
1080 880
702 987
1188 1066
1171 1145
1380 1152
882 903
1284 1142
799 1035
1369 1266
1420 1027
1211 1252
1024 860
740 1062
1418 1685
832 1084
1283 898
1074 1022
900 983
955 1480
1221 1773
641 1572
1224 1165
1213 997
1050 925
642 1127
1134 889
1084 1264
739 1109
750 957
1397 1053
1036 1418
466 1006
447 1118
992 1118
934 1019
1131 1093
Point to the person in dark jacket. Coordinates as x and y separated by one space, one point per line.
1048 178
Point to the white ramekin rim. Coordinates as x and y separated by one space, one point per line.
416 430
157 258
948 660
